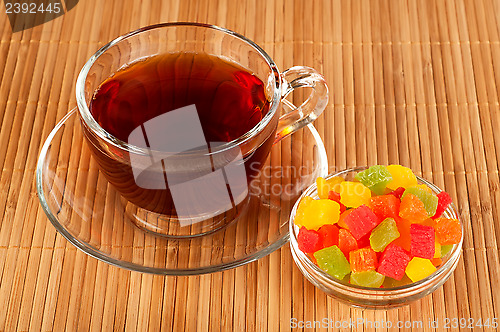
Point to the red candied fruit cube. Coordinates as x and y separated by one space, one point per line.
393 262
398 192
347 242
329 235
361 221
364 259
364 241
309 240
335 196
423 241
443 201
385 206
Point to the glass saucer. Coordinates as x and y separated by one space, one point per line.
90 214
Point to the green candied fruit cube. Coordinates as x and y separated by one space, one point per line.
383 234
333 262
367 279
430 200
376 178
391 283
446 249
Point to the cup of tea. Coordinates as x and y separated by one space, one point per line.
181 116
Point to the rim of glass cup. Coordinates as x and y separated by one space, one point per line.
414 287
89 120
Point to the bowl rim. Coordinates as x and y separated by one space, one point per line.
417 286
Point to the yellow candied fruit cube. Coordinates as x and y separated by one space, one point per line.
353 194
324 186
304 202
437 250
401 177
419 268
316 213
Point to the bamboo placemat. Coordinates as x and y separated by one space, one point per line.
411 82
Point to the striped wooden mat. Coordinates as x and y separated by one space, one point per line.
411 82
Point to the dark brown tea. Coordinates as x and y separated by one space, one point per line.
176 103
229 100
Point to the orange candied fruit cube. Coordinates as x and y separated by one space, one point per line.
404 239
448 231
343 215
385 206
347 242
436 261
364 259
429 222
413 209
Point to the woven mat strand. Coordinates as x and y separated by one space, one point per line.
415 83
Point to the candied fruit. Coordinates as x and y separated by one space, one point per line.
404 239
347 242
412 209
361 221
375 178
309 241
384 231
385 206
367 279
429 199
423 241
419 268
363 259
437 250
333 262
317 213
448 231
341 222
335 196
401 177
445 249
353 194
325 186
383 234
393 262
329 235
444 200
398 193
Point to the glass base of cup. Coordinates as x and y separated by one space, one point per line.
180 228
88 212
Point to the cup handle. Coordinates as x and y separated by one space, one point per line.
299 116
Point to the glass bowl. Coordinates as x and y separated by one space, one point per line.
367 297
